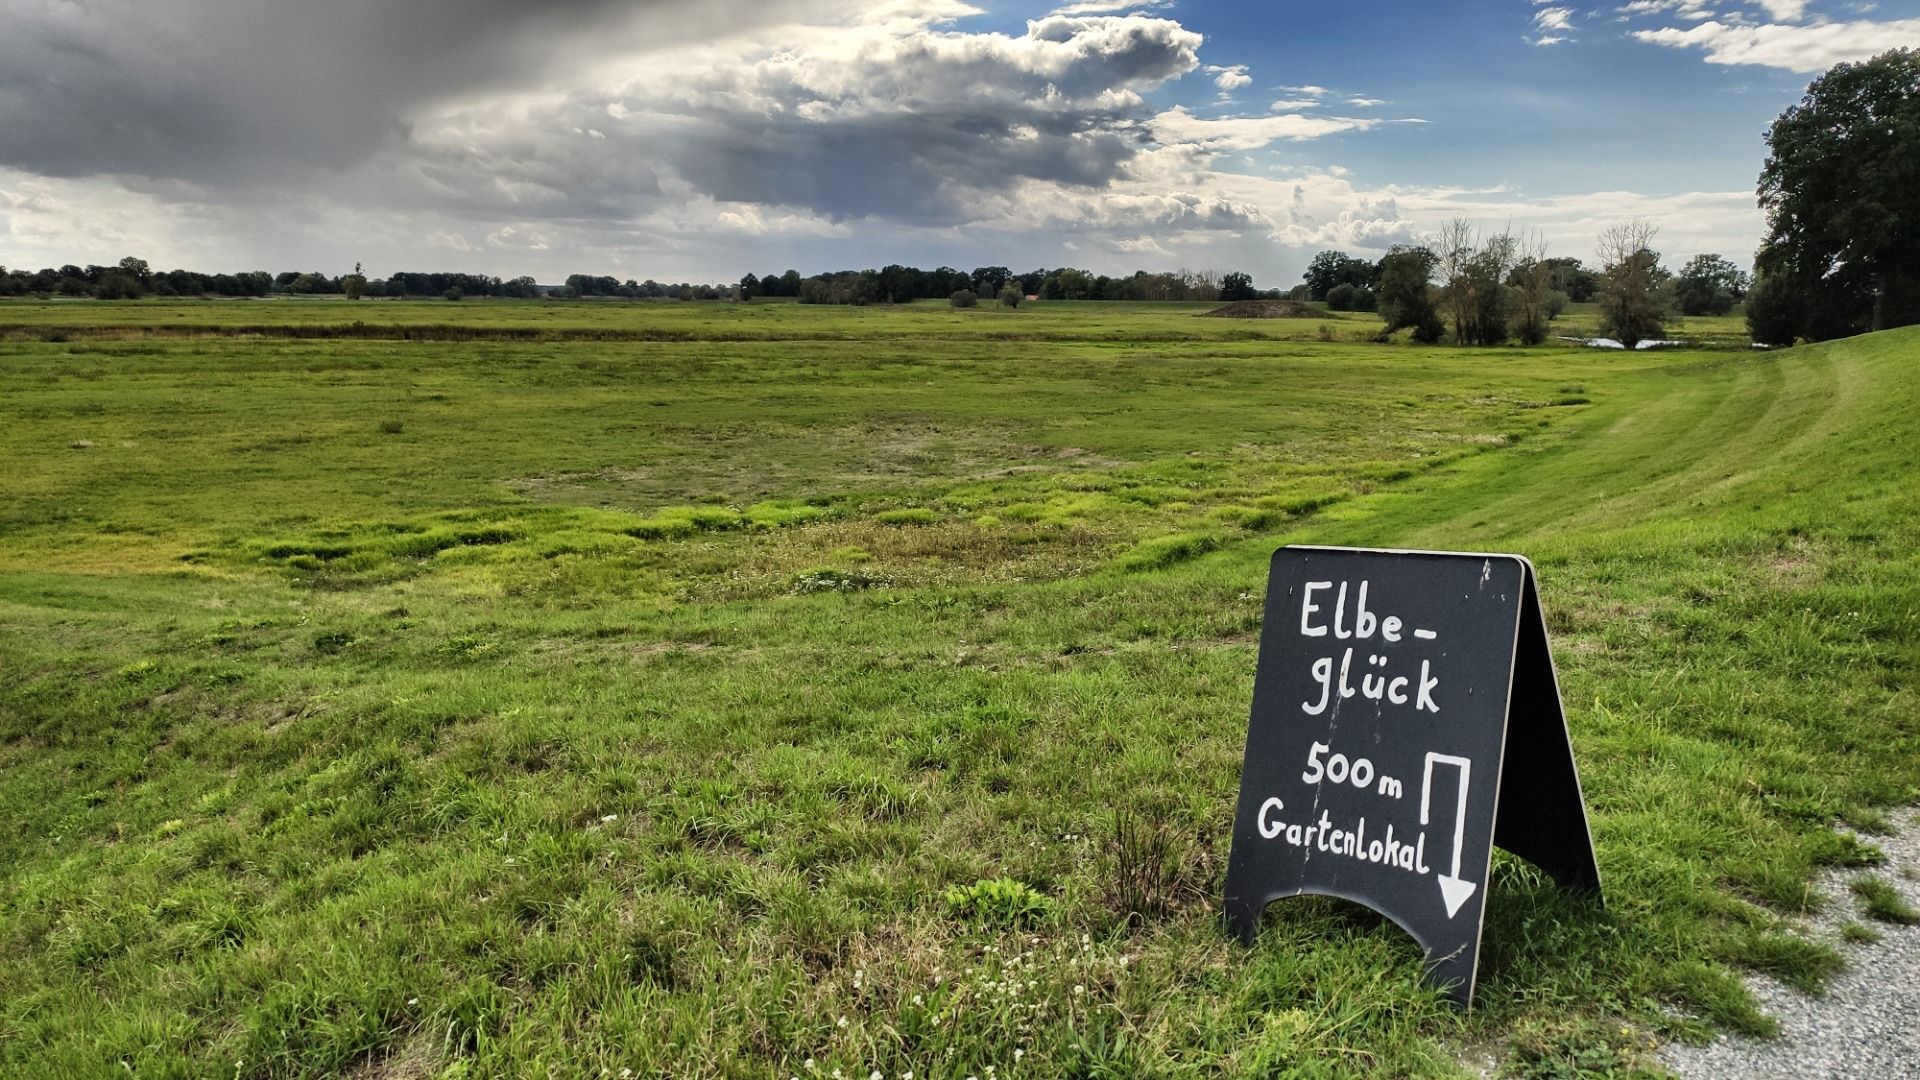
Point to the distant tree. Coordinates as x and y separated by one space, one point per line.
1010 296
945 281
118 284
1331 268
1473 274
856 287
963 298
354 284
1839 190
455 293
1344 297
1569 275
1633 300
1530 287
594 285
989 280
1708 285
900 284
1406 292
749 287
1455 246
136 269
1067 283
1323 273
1237 286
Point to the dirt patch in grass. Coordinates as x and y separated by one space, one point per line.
1261 309
416 1059
1794 566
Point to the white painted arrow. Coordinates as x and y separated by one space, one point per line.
1453 891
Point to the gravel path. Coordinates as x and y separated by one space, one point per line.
1867 1027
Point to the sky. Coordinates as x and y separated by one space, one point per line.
692 140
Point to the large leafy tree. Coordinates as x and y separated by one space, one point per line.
1841 188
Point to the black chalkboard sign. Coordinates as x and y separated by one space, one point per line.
1406 719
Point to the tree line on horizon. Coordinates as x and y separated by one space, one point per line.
133 278
1484 289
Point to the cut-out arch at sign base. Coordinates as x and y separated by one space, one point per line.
1257 911
1406 719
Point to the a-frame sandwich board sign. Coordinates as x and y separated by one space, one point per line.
1406 719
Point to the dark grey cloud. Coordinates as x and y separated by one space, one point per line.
576 109
526 135
233 93
919 125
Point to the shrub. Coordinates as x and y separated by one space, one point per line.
964 298
455 293
1152 870
999 902
1010 297
1347 296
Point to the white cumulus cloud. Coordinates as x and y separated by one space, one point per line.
1229 78
1805 48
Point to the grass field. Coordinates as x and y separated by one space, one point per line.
766 691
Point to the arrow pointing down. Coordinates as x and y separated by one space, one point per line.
1453 891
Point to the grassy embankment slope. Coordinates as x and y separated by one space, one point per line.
499 707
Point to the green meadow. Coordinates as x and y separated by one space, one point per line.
505 689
